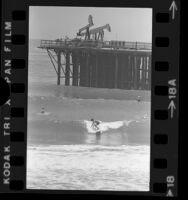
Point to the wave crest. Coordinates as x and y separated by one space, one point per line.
53 131
106 126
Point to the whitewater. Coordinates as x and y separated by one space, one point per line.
105 126
88 167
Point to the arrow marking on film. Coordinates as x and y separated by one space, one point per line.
172 107
169 193
173 7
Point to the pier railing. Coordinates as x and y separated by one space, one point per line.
95 44
52 43
128 45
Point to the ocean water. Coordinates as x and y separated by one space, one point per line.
63 151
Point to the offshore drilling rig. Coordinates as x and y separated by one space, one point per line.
90 61
96 33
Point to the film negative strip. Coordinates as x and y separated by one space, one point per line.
45 151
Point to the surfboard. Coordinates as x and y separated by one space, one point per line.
97 131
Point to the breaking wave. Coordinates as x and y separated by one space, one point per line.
106 126
53 131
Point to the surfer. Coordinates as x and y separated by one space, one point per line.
94 125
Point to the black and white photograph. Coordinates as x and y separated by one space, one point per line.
89 98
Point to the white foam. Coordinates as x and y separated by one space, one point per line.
78 148
105 126
66 167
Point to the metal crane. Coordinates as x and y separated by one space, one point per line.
98 33
86 28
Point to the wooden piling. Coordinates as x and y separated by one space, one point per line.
129 73
99 74
109 70
124 73
119 72
132 71
87 70
96 71
116 71
58 68
82 70
103 71
75 69
135 72
138 71
67 69
144 73
149 73
92 70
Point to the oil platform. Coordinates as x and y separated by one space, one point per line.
90 61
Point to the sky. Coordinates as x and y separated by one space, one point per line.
127 24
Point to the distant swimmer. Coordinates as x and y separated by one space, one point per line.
138 98
42 111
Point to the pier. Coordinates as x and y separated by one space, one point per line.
89 61
103 65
